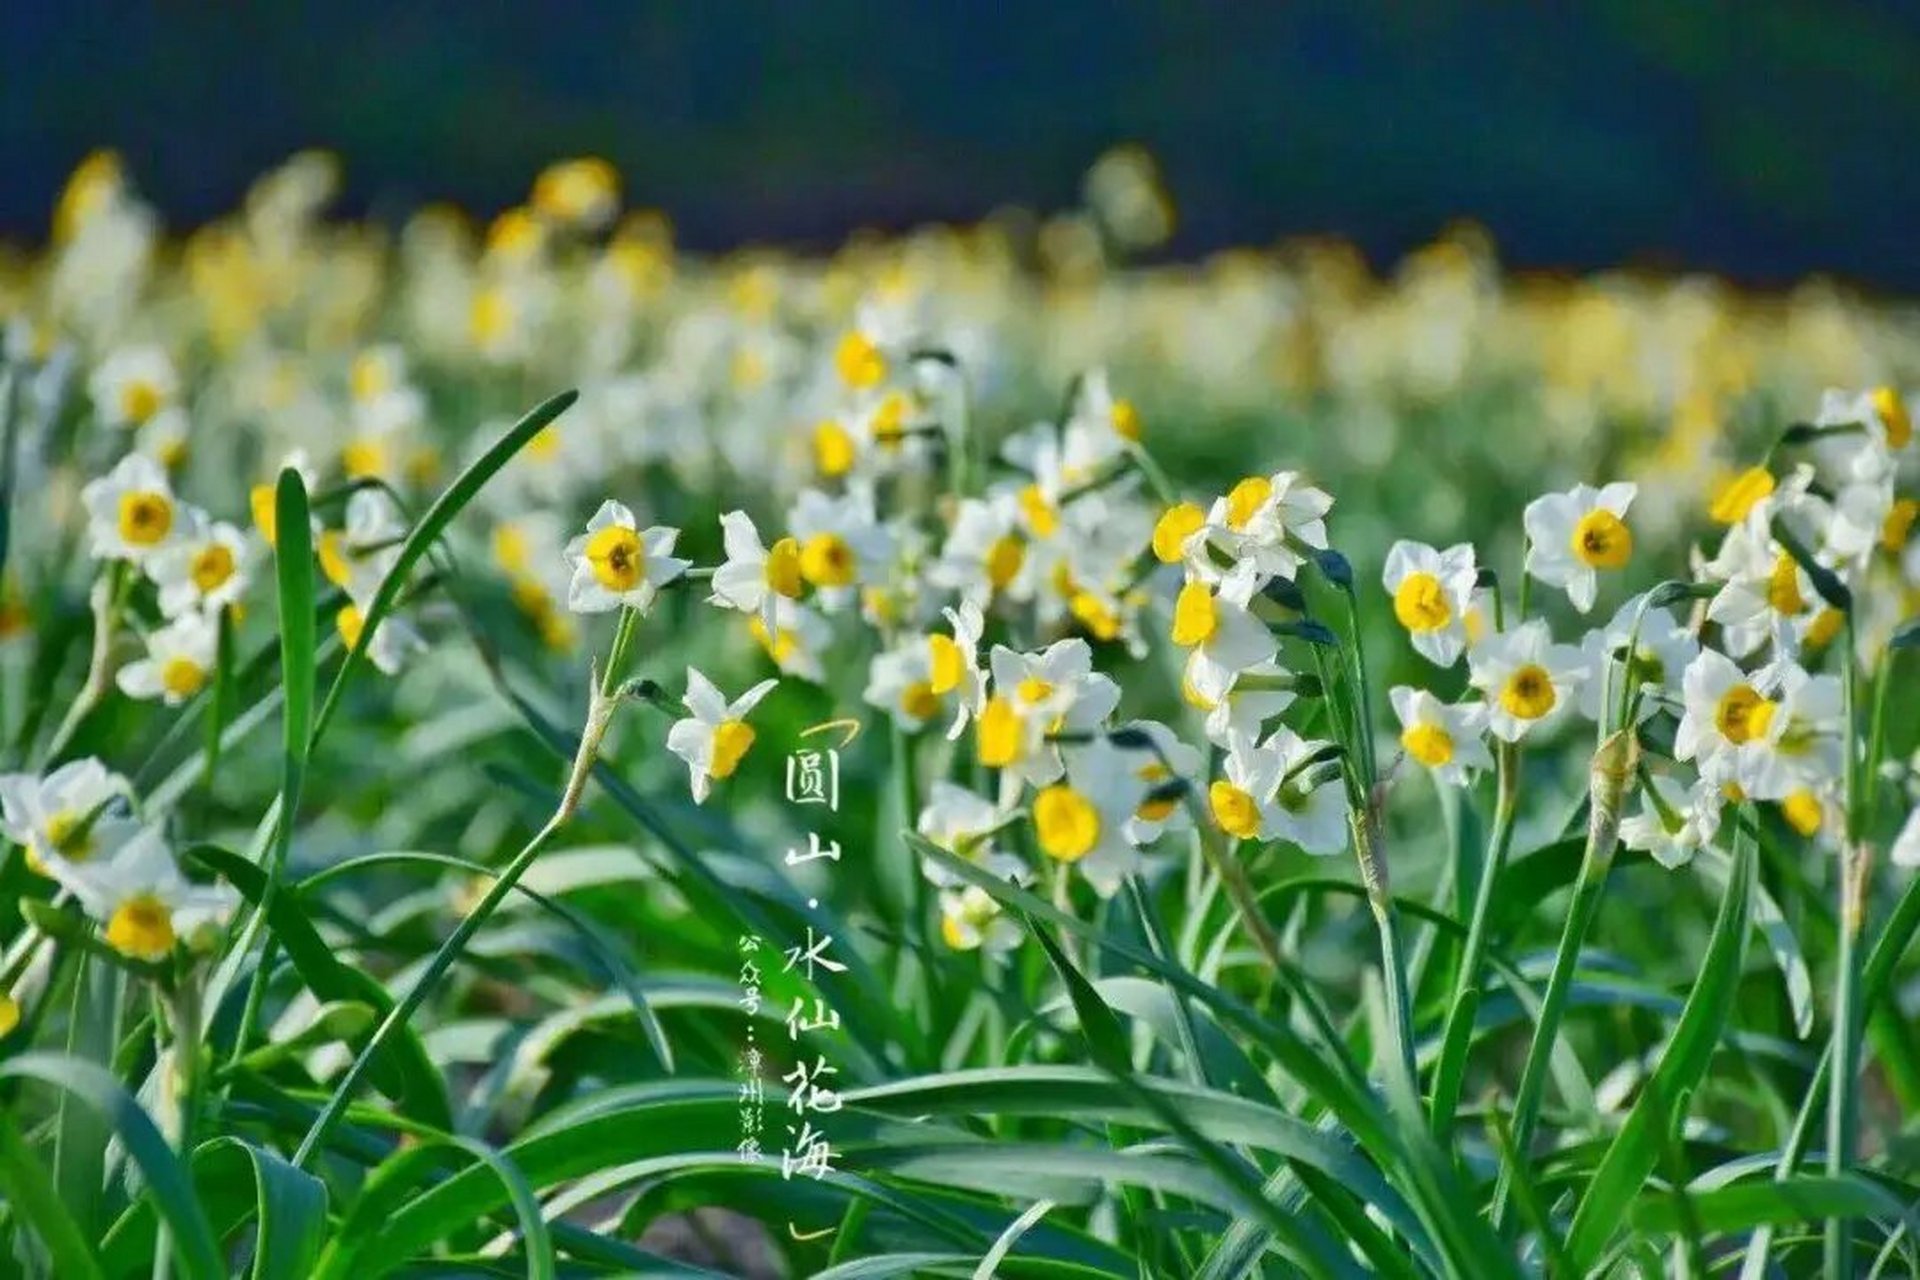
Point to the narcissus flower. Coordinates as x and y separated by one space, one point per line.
1573 536
1220 631
207 570
78 812
1055 691
1661 655
716 737
900 683
1084 818
964 823
1432 591
841 545
755 576
133 386
132 514
145 906
616 564
1267 519
1446 740
178 663
1674 821
971 919
1528 681
954 663
1284 788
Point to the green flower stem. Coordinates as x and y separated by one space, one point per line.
1451 1068
599 715
1614 766
1856 866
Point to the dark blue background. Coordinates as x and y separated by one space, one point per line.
1766 140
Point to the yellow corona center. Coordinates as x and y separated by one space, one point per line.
1783 587
1033 690
783 568
947 665
490 317
890 421
182 677
1899 526
1234 810
997 738
510 550
827 561
67 834
781 644
1825 626
212 565
1893 416
1126 420
616 557
1152 809
1193 697
1194 616
1602 540
9 1014
1245 500
139 401
146 517
730 742
1528 693
1175 525
370 376
364 457
1802 812
859 362
919 701
333 558
951 932
1429 743
1095 615
1742 714
141 927
833 451
1040 514
261 500
1738 496
1003 560
1420 602
349 622
1066 823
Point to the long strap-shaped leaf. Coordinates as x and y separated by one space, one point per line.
194 1247
1636 1149
29 1189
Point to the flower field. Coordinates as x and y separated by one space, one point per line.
526 751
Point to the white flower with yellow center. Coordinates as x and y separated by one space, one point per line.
132 514
1664 651
358 556
1245 708
179 661
1051 477
986 552
1267 519
841 545
1217 626
1723 709
78 812
964 824
954 663
796 641
1883 429
206 571
1053 692
1573 536
144 905
1168 768
1181 535
900 683
582 193
1448 741
1528 681
755 577
971 920
132 386
1085 818
616 564
1766 595
394 640
1432 592
1281 789
1802 746
1102 414
1674 821
716 737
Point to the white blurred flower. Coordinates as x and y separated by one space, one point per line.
132 514
77 812
206 571
143 903
178 663
133 385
